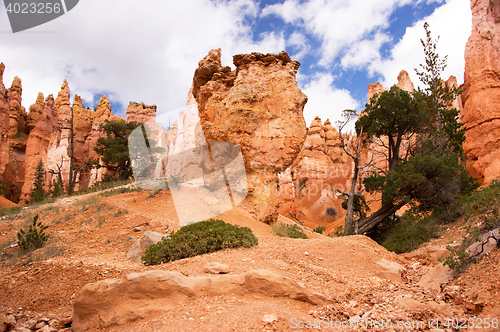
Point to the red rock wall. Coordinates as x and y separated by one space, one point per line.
259 107
481 96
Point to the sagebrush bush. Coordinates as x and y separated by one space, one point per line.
199 238
292 231
34 237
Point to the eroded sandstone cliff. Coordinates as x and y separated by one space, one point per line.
259 107
481 96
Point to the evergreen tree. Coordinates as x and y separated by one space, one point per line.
114 147
429 172
38 193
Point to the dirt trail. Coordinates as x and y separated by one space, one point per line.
97 232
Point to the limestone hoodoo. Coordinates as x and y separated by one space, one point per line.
259 107
481 96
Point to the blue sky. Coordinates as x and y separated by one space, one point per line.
148 51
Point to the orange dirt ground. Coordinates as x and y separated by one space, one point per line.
91 235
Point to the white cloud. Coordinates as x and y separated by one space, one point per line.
138 51
324 100
340 25
299 43
452 22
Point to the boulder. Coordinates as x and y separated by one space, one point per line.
143 243
437 276
486 244
118 301
391 270
216 268
257 106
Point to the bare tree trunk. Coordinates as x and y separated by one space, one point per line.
350 199
378 216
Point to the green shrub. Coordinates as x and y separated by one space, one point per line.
292 231
405 233
34 237
197 239
320 229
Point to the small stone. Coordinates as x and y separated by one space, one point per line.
22 329
269 318
11 319
40 325
216 268
306 253
32 324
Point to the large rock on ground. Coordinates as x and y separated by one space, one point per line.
259 107
117 301
481 96
142 244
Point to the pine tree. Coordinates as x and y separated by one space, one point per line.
38 193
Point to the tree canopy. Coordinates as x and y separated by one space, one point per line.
114 147
420 137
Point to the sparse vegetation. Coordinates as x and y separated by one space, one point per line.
119 213
34 237
102 185
3 188
405 233
481 212
197 239
117 191
10 211
320 229
292 231
153 193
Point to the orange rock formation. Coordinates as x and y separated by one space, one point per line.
481 96
259 107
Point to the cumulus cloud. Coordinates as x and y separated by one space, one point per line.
451 22
148 51
340 25
144 51
324 100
